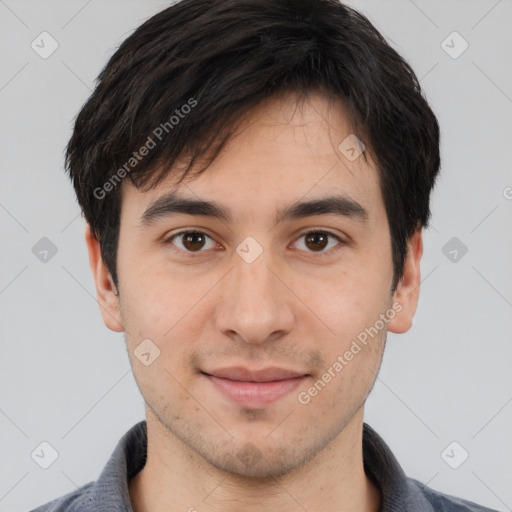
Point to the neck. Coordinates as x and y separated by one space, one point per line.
175 478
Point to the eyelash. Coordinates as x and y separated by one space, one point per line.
198 253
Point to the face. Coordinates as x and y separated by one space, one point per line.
264 319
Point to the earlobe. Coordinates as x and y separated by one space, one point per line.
406 295
106 291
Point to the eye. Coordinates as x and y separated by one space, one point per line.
317 241
191 241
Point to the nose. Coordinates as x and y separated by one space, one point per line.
256 305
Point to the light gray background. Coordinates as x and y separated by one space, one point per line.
65 379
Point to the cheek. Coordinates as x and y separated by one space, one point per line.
157 299
350 309
169 310
347 303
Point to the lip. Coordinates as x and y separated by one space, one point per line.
264 375
254 388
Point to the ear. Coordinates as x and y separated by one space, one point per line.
105 289
408 289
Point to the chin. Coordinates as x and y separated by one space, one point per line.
250 460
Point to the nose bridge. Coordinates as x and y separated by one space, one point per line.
255 302
254 276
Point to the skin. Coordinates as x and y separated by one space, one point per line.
291 308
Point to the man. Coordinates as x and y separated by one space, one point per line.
255 176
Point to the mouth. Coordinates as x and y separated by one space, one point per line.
254 389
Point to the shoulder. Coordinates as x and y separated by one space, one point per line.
445 503
110 492
79 500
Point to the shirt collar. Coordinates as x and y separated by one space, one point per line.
398 493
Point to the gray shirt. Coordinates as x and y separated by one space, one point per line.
398 493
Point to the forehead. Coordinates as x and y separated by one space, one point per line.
283 151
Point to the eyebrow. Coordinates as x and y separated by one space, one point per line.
171 204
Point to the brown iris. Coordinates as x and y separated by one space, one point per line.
316 241
193 241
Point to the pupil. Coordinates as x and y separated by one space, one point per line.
316 238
